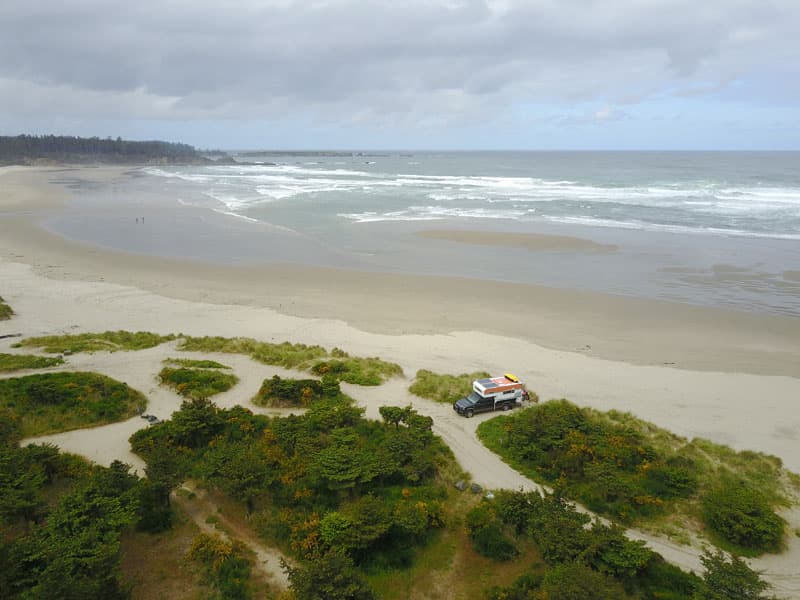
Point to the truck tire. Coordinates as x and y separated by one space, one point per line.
469 413
507 406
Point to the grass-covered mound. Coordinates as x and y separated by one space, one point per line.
17 362
337 363
197 383
634 472
442 387
287 355
301 393
5 310
51 402
329 487
357 370
195 364
110 341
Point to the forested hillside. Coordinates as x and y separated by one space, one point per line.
27 149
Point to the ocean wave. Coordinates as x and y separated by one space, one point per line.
644 226
707 206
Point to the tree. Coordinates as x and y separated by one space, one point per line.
394 415
729 579
576 581
329 577
196 423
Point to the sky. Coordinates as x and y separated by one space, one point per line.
407 74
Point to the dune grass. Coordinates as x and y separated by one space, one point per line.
195 364
443 387
357 370
17 362
633 471
51 402
197 383
5 310
338 363
287 355
110 341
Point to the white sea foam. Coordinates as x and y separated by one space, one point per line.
701 206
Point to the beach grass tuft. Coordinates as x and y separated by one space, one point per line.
197 383
17 362
443 387
51 402
5 310
108 341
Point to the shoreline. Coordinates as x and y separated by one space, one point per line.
621 328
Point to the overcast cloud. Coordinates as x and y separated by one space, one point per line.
349 73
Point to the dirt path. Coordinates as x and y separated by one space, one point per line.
205 513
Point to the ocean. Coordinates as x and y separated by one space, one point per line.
713 228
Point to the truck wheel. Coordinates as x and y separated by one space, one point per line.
507 406
469 413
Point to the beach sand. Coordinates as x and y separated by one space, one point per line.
728 376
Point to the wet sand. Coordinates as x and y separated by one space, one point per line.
529 241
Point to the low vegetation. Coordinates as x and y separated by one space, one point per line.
287 355
337 363
226 567
316 359
636 473
17 362
110 341
51 402
195 364
590 560
61 520
286 393
583 559
5 310
444 388
197 383
357 370
336 491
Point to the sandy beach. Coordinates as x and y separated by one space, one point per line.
729 376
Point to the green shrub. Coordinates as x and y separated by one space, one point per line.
356 370
110 341
444 388
16 362
5 310
293 392
486 531
742 516
195 364
197 383
226 567
50 402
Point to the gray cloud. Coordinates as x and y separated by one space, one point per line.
380 62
